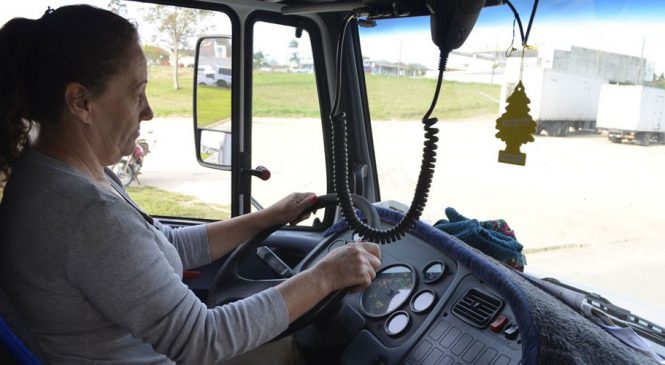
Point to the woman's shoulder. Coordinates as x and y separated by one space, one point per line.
52 192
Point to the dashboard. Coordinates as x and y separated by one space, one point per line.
424 308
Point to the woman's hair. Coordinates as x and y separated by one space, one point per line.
38 58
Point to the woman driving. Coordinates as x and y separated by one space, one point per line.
93 277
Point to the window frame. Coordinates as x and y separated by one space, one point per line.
320 76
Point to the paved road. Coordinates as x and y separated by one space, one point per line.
579 200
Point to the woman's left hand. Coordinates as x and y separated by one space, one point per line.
291 209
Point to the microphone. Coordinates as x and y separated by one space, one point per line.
452 21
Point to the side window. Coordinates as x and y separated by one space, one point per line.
162 175
165 178
287 136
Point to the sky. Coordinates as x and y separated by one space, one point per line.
632 27
620 26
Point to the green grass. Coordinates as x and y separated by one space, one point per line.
390 98
295 96
164 99
399 98
214 104
159 202
290 95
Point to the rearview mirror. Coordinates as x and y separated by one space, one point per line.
212 101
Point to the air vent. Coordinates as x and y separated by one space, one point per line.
477 308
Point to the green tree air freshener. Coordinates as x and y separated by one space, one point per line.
515 127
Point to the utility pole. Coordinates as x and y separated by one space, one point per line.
640 79
399 59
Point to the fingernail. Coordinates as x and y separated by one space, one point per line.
312 198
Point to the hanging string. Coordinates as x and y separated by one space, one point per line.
522 62
524 36
511 48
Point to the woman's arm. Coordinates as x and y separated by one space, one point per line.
122 274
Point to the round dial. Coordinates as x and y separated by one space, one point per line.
434 272
336 244
397 323
422 301
389 290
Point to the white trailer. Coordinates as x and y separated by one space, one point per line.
559 100
632 113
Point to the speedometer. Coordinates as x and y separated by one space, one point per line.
389 290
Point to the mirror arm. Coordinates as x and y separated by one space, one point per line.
260 171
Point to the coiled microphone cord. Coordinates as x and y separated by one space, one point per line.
341 163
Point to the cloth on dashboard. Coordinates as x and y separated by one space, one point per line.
494 238
94 282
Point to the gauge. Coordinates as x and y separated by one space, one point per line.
397 323
389 290
422 301
336 244
433 272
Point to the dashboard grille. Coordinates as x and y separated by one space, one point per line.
477 308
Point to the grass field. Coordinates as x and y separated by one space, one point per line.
164 99
295 96
164 203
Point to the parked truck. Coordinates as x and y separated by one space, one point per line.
633 113
564 85
558 100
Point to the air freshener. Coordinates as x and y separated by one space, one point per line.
515 127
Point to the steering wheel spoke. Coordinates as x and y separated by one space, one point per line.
229 285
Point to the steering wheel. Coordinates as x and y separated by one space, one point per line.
229 285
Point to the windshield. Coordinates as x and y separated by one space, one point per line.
587 211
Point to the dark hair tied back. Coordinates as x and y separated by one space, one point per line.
38 58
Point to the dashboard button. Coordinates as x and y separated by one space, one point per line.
498 324
512 331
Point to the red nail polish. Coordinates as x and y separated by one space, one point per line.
313 198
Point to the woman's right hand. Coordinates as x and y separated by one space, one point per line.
353 265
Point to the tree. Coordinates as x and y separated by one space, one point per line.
155 55
259 60
117 7
295 58
176 25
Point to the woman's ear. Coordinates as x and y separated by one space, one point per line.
77 102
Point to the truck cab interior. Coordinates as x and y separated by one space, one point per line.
315 101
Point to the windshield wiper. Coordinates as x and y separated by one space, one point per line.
618 315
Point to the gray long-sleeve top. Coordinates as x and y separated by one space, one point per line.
95 282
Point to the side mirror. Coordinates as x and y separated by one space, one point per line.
215 148
212 102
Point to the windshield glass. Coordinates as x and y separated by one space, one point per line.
587 211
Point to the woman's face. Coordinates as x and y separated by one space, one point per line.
119 110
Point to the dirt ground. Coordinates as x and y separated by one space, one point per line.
586 210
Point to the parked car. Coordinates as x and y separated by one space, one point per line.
205 75
223 77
